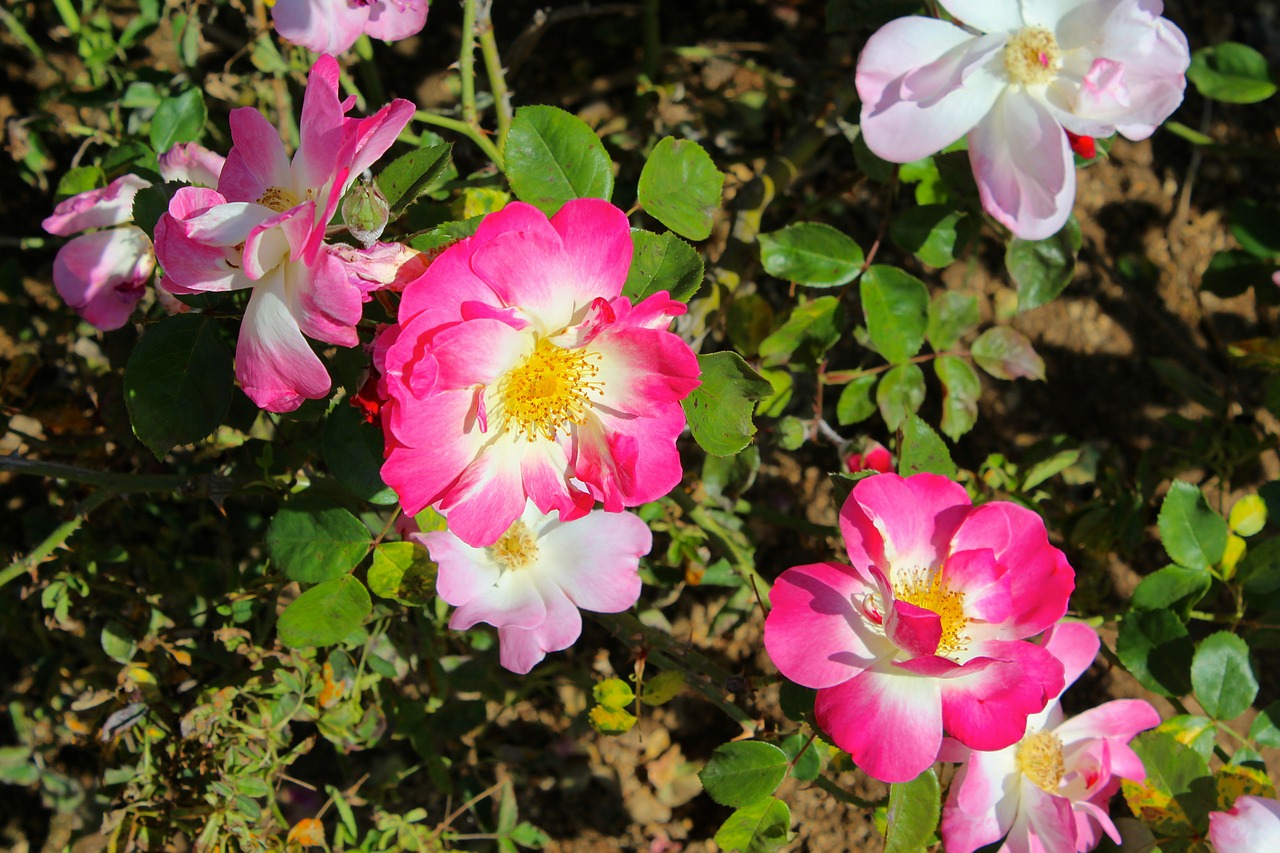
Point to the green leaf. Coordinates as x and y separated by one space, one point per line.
353 452
900 394
1156 649
806 765
855 403
1171 586
178 383
1199 733
402 571
1259 571
1007 354
178 119
313 542
1193 534
613 693
151 203
1265 728
1042 269
719 410
1222 676
662 262
680 187
1233 272
1231 72
325 614
608 720
812 254
1180 782
743 772
118 642
914 809
662 688
410 175
896 306
553 156
78 180
1257 227
1046 468
812 329
923 451
932 232
951 316
961 388
759 827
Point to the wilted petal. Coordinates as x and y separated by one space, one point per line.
102 275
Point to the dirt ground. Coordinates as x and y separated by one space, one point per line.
1157 207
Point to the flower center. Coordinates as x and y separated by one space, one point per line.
1039 757
278 199
926 589
1032 57
550 390
515 549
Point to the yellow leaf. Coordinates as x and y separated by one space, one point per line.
307 832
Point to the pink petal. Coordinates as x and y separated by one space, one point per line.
478 352
274 362
328 304
528 269
393 20
1252 825
1050 817
514 599
859 712
369 138
109 205
319 25
597 242
102 275
520 649
257 159
316 160
549 481
465 573
913 629
1021 159
1121 719
987 16
1076 645
901 523
192 163
989 709
924 84
981 803
985 584
431 449
487 496
814 634
268 244
595 559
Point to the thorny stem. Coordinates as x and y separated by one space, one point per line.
844 377
652 39
474 133
467 62
844 796
460 810
493 69
54 540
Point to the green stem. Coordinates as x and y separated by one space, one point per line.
652 39
473 133
54 540
467 63
202 485
493 68
844 796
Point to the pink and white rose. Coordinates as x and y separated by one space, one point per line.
332 26
1051 790
927 630
1252 825
264 228
1013 75
531 582
518 371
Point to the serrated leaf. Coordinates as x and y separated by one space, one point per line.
1042 269
353 452
1265 728
1222 676
961 388
1248 516
719 410
923 451
402 571
1006 353
914 809
1156 649
663 687
662 262
759 827
932 232
900 394
805 756
856 403
325 614
553 156
178 382
412 174
312 542
812 254
896 306
813 328
1178 792
743 772
680 187
1193 534
179 118
1172 585
78 180
951 316
1199 733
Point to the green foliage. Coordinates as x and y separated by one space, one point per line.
178 383
761 826
923 451
896 306
312 542
680 187
1006 353
1193 535
1042 269
961 388
414 174
811 253
934 233
719 410
914 809
1231 72
1222 676
662 262
180 118
553 156
326 613
744 772
1155 647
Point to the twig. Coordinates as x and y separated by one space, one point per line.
54 540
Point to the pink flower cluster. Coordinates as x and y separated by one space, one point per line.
1013 76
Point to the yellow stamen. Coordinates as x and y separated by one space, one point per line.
549 391
926 589
515 549
1039 758
1032 57
278 199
